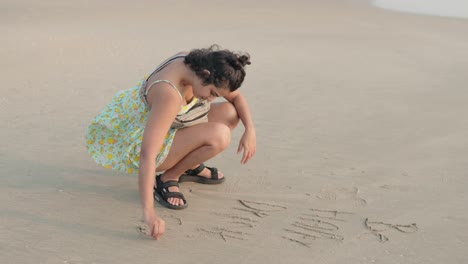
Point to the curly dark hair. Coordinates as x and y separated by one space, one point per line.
226 67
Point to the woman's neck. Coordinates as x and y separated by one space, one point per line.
186 84
187 92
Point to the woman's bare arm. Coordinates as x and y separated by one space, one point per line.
238 100
248 141
165 104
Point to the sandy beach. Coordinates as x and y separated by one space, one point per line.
361 120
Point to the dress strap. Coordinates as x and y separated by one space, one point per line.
146 88
164 64
165 81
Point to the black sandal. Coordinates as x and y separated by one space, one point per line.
162 193
192 176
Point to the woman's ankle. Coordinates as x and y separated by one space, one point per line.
168 176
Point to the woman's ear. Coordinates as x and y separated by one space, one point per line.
206 73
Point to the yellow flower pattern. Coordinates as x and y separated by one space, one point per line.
114 137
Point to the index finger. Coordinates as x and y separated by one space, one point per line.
159 229
245 157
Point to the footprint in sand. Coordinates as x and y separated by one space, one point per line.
401 188
340 194
231 186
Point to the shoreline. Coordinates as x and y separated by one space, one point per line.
454 9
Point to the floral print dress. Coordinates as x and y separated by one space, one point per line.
114 137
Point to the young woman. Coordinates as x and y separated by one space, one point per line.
167 123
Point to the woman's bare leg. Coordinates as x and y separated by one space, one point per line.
196 144
224 113
191 146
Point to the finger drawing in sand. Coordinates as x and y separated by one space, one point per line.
259 209
378 228
320 224
241 219
360 112
168 122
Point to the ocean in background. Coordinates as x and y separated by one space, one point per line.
447 8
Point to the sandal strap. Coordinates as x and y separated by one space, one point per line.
162 189
167 194
169 184
161 185
214 173
195 171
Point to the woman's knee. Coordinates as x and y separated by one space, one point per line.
225 113
232 115
219 136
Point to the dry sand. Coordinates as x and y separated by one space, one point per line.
360 112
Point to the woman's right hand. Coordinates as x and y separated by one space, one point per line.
156 225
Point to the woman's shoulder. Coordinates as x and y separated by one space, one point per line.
185 53
163 93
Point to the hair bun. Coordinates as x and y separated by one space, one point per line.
244 59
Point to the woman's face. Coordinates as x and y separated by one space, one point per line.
208 92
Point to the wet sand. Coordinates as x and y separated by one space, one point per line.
360 114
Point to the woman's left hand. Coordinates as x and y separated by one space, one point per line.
248 143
